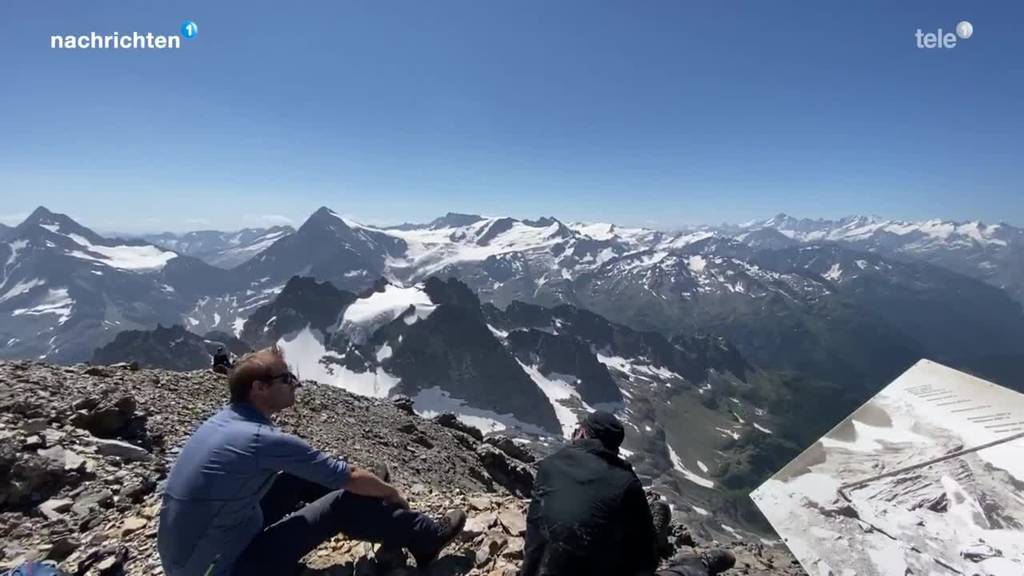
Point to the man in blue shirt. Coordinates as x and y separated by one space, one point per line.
232 501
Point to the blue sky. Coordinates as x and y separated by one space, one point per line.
659 113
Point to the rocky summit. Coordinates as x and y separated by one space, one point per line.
84 451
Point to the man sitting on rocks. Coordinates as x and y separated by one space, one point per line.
232 501
589 514
221 361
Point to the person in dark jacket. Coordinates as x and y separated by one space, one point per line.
589 515
221 361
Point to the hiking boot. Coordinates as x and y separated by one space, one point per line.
718 561
448 527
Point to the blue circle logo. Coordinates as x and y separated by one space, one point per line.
189 29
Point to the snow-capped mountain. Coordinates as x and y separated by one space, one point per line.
4 230
828 310
993 253
64 289
221 249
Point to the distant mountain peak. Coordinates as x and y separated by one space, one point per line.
39 213
42 215
323 217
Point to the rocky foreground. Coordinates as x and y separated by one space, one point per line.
84 449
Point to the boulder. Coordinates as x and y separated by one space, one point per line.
515 477
111 416
122 450
403 403
451 421
91 501
513 521
55 508
506 445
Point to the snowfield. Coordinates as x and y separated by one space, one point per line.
305 353
364 316
54 302
431 402
122 257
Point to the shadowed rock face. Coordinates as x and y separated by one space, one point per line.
79 499
565 354
172 348
303 302
455 350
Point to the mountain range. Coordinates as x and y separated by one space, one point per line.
725 349
222 249
840 301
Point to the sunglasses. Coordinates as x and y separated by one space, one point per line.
287 378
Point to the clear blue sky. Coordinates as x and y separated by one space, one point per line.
658 113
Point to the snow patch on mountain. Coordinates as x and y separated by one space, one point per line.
309 358
123 257
22 287
558 391
16 246
430 250
433 401
633 369
56 301
696 263
677 462
834 273
364 316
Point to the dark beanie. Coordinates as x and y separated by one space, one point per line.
604 426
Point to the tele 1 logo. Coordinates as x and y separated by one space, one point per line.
940 39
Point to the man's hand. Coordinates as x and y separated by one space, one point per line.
366 483
397 500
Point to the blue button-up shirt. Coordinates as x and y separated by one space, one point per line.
211 505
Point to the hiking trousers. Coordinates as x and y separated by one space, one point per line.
299 515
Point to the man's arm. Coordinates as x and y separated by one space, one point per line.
281 452
641 546
366 483
287 453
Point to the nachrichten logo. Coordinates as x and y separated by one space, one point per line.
128 41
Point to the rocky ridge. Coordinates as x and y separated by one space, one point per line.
84 449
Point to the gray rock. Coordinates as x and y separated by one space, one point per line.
449 420
403 403
515 477
513 521
92 500
506 445
34 426
120 449
63 546
55 508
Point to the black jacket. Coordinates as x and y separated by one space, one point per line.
221 359
588 516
